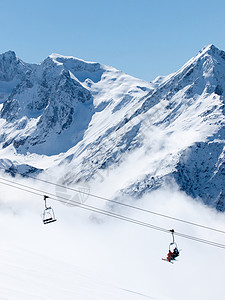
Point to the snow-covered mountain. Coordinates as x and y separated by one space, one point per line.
12 71
95 120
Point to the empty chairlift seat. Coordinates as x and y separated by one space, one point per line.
48 215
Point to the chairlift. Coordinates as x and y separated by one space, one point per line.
48 215
173 250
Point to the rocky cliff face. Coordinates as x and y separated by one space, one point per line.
12 71
200 171
42 106
12 67
95 119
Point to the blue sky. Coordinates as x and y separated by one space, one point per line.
144 38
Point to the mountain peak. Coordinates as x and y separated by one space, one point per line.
11 66
211 50
9 56
209 47
207 59
80 68
62 58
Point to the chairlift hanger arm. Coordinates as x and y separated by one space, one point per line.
172 231
45 199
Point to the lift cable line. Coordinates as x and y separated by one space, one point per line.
124 204
114 215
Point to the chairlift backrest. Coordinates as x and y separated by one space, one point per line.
172 246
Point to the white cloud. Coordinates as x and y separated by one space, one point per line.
125 254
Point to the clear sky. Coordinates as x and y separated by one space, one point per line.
144 38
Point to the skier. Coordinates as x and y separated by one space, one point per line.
169 256
175 253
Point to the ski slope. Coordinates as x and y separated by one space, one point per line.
84 255
30 276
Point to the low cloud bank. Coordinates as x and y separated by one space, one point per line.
125 254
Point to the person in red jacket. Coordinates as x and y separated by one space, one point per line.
169 256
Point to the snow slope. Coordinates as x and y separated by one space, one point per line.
88 256
29 276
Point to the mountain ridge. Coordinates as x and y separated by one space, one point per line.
90 118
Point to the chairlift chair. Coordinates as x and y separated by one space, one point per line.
48 215
173 250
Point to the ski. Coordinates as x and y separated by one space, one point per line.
167 260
